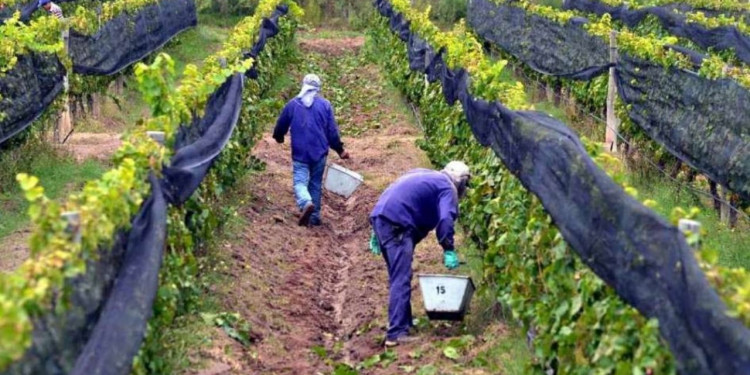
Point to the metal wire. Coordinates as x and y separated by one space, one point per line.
518 70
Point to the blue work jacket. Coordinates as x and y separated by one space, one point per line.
419 201
313 130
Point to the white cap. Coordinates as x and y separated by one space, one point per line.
457 171
312 80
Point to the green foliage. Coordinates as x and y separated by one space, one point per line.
233 325
383 360
17 38
320 351
427 370
334 14
57 171
582 325
698 4
539 279
444 12
44 35
648 41
344 369
197 221
226 7
86 19
313 13
107 204
451 352
156 84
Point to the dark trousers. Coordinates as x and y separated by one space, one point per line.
397 245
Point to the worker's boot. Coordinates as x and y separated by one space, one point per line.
307 211
401 340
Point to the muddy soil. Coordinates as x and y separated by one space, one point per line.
333 46
316 297
99 146
15 250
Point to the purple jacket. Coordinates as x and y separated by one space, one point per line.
313 130
421 200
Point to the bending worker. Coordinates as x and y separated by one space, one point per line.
51 8
416 203
314 130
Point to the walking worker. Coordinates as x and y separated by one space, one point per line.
313 132
416 203
52 8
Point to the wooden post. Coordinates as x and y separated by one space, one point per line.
95 105
549 92
691 228
119 84
157 136
725 209
74 225
612 124
64 123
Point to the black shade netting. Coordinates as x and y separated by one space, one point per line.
696 58
26 10
701 121
130 37
124 280
57 338
118 334
634 250
26 90
546 46
111 304
198 146
672 18
269 28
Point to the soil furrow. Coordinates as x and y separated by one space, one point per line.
316 297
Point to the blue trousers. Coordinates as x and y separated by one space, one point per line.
397 246
308 184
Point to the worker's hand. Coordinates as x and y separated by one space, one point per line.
344 155
374 245
279 140
450 259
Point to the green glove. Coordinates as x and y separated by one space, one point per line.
450 259
374 245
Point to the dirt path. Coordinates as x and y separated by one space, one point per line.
316 298
15 249
99 146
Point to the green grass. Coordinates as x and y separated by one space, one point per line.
731 244
506 352
551 109
331 34
195 45
57 172
508 355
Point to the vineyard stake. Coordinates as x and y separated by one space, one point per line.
64 124
73 218
691 228
156 136
612 122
